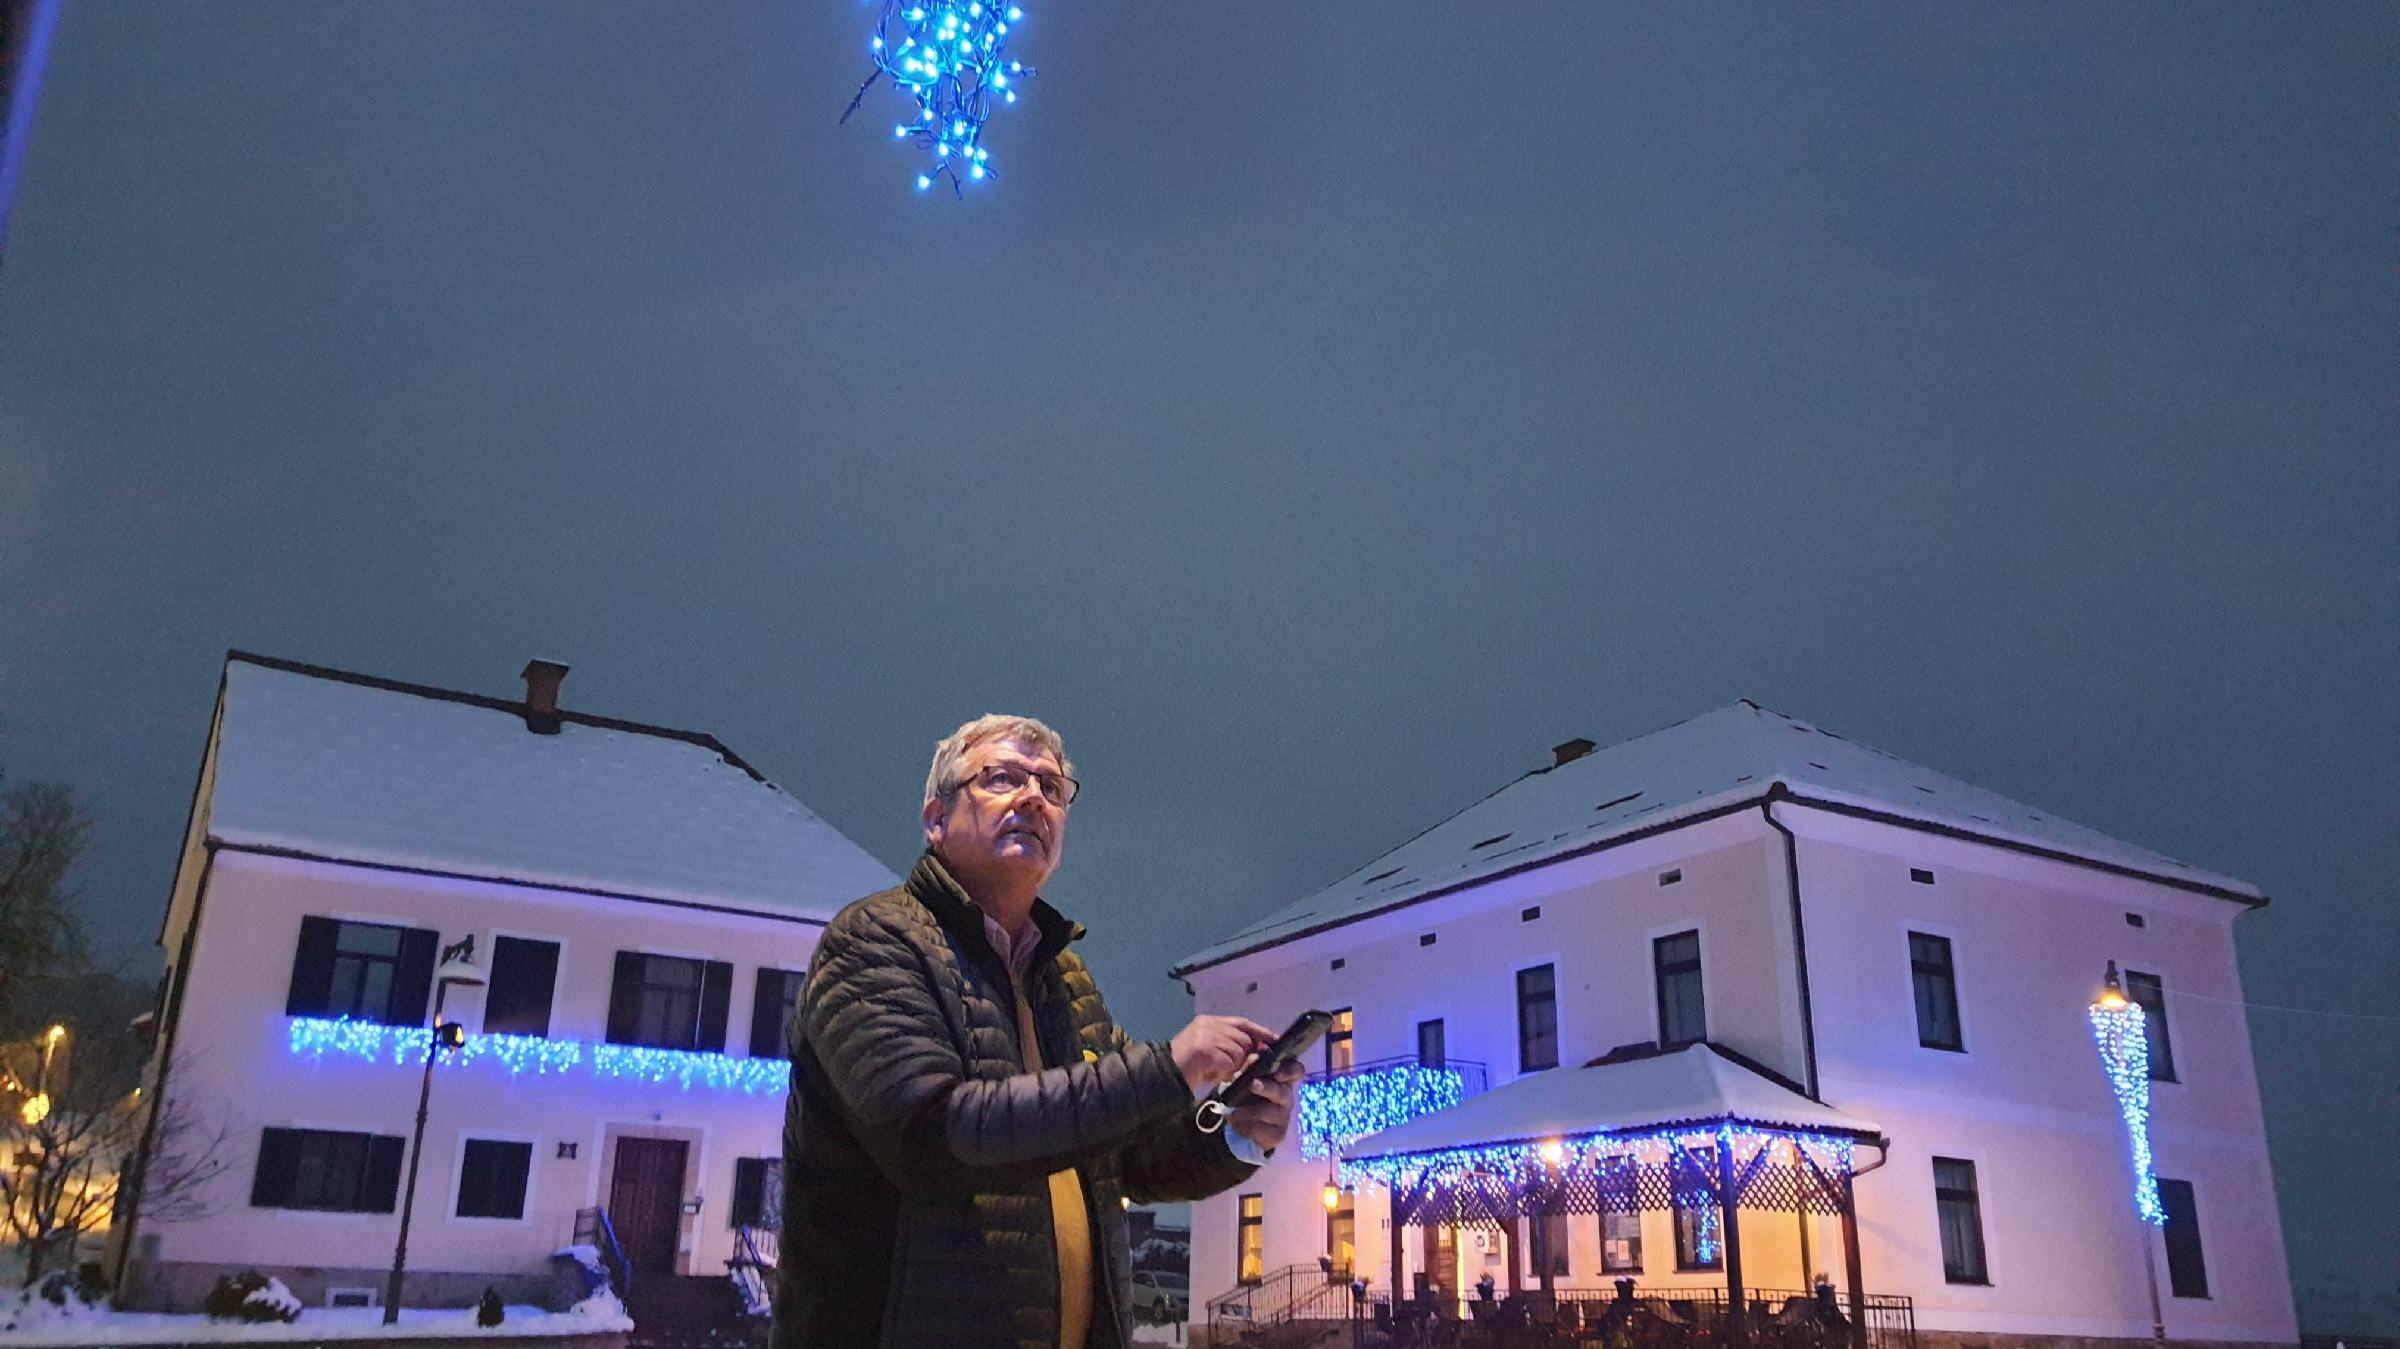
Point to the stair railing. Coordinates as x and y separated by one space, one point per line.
593 1229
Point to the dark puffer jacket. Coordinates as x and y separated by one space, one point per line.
916 1205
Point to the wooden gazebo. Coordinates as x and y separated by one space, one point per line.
1700 1128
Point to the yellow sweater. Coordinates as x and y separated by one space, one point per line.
1069 1219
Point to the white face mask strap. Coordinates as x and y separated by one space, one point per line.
1210 1116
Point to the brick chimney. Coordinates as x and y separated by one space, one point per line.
1571 751
542 678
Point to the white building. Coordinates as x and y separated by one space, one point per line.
641 903
1868 948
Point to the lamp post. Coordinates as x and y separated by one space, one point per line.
2122 1030
457 967
37 1106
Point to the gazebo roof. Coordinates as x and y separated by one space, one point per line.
1701 1086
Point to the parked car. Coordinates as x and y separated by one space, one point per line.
1160 1296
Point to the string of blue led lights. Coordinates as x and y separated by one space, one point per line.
313 1038
950 56
2123 1035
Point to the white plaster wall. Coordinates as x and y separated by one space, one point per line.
2028 1101
233 1065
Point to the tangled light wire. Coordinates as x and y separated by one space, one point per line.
951 56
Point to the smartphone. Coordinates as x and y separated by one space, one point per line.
1294 1042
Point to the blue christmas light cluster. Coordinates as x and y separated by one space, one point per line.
2121 1030
1337 1111
950 56
315 1037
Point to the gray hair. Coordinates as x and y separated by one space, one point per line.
943 779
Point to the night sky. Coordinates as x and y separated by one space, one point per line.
1331 408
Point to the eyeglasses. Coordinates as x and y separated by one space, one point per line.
1005 780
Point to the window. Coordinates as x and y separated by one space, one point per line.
327 1169
771 1006
1433 1050
1537 1018
1937 992
669 1002
1339 1055
1961 1214
1699 1231
2187 1272
758 1192
524 974
2151 994
1341 1234
1253 1239
365 971
1546 1243
1621 1242
1682 1011
491 1178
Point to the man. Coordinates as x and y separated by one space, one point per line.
966 1123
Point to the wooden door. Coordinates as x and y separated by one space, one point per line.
1445 1264
645 1201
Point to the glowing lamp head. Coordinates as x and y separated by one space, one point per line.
36 1108
450 1035
55 1034
1333 1196
1553 1151
2112 992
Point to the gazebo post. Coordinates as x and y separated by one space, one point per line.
1510 1256
1729 1201
1851 1269
1399 1228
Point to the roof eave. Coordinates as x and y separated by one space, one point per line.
1777 790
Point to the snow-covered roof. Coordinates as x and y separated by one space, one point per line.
1698 766
342 766
1697 1085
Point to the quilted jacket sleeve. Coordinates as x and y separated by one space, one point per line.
872 1021
1172 1162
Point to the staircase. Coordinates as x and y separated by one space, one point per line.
1294 1307
688 1311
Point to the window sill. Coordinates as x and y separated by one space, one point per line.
1946 1049
1966 1283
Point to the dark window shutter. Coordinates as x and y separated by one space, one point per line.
381 1194
412 983
766 1015
625 1000
312 968
510 1171
271 1186
749 1191
716 1002
524 976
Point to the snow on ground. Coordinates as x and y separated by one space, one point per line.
599 1315
1167 1334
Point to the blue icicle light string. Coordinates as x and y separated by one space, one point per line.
2123 1034
313 1038
1338 1111
951 57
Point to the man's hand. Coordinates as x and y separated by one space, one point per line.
1213 1048
1267 1116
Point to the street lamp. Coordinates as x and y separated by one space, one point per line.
2121 1029
37 1106
457 967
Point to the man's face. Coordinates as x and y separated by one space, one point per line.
984 836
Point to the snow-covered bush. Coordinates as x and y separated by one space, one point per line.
250 1296
58 1297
